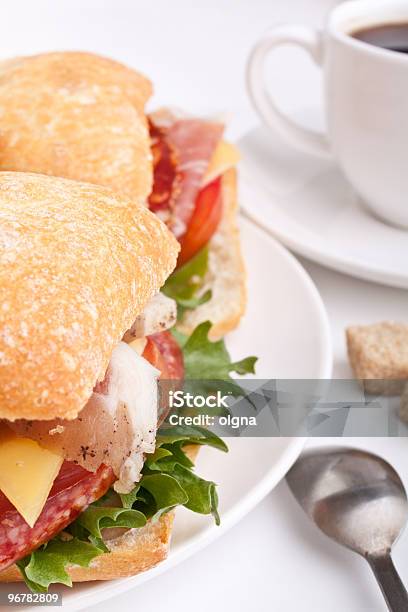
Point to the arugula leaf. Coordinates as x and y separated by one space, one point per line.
186 281
95 518
177 456
159 453
164 459
189 435
204 359
128 499
165 490
202 497
47 565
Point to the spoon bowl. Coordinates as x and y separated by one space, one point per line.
357 499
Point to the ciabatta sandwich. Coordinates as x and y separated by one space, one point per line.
87 485
83 341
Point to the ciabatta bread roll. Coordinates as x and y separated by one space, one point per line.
78 264
79 116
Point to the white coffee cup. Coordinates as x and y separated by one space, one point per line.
366 101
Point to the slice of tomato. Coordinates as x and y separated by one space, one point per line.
206 217
73 490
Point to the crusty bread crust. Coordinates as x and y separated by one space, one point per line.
226 275
145 549
79 116
78 263
135 552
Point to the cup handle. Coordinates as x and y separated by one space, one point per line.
311 41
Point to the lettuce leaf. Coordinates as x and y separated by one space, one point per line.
47 565
204 359
184 284
95 518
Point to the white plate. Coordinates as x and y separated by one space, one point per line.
309 206
286 326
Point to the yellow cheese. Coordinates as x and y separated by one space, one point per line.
225 156
27 473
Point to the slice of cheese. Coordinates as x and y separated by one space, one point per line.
225 156
27 473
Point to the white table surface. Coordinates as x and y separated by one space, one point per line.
195 54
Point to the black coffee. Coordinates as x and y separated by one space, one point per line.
392 36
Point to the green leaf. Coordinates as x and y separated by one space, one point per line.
98 542
214 505
189 435
204 359
185 281
165 490
167 464
192 303
245 366
47 565
33 586
128 499
178 456
159 453
95 518
201 493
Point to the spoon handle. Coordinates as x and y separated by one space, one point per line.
390 583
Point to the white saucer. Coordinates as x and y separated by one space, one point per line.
308 205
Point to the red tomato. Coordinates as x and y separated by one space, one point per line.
164 353
206 217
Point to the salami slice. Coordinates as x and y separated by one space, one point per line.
73 490
171 354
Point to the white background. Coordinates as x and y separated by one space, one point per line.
195 54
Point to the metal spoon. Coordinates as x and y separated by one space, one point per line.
357 499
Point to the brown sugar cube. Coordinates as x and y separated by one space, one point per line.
379 352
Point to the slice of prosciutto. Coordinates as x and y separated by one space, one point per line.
117 425
182 149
